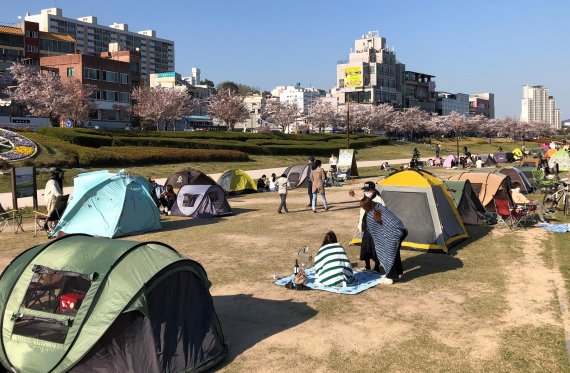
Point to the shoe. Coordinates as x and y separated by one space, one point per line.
326 209
286 210
168 213
314 211
310 205
279 212
385 281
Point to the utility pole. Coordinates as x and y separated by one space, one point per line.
348 120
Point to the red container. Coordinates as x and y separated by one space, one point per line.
70 301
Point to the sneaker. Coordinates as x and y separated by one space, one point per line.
168 213
326 209
279 212
310 205
385 281
314 211
286 210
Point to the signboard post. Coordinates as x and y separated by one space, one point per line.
347 163
24 185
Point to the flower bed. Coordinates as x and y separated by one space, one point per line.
22 147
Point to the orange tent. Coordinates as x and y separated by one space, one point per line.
550 152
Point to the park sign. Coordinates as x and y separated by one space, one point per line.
353 76
347 163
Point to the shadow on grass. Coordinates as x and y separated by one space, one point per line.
183 223
476 232
247 320
428 263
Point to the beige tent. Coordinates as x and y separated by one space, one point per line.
487 185
530 162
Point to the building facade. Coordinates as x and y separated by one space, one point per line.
371 75
419 91
448 102
255 104
482 104
302 97
157 55
113 74
539 106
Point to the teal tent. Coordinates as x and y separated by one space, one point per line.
90 304
110 205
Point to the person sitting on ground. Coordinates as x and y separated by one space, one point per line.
500 149
479 163
388 232
469 162
167 199
521 200
437 162
155 190
262 184
272 180
332 266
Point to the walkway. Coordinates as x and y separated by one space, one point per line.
6 198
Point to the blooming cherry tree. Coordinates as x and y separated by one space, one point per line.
228 108
281 113
322 114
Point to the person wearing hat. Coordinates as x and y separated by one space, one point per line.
367 251
53 189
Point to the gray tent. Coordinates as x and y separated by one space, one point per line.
470 209
298 175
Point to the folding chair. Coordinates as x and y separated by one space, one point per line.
11 215
511 217
43 220
540 181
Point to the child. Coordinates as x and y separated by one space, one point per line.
282 186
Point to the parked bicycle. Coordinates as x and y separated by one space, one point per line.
556 195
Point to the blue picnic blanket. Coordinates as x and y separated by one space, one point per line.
558 228
364 281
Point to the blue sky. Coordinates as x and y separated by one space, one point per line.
486 46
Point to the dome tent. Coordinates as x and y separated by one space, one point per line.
197 195
91 304
109 204
298 175
236 181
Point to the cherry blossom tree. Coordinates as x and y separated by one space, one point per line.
412 120
162 105
454 122
228 107
321 114
46 95
281 113
383 117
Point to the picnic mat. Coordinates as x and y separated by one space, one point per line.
558 228
364 280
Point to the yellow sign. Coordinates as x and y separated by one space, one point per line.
353 76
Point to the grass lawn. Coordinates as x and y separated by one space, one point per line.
492 306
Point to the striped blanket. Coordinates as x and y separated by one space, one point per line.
386 236
332 266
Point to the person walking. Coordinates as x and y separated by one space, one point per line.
333 160
283 186
309 182
53 189
318 178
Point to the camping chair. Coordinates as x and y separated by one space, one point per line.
511 216
11 215
540 181
43 220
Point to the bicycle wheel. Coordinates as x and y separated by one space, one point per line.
549 200
566 202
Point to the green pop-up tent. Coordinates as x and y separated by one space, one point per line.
92 304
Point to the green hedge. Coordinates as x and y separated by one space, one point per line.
188 144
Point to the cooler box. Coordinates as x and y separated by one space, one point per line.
70 301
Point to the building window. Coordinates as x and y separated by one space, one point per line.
92 74
110 76
109 95
96 95
125 97
70 71
32 48
124 78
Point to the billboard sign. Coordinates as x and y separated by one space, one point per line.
353 77
170 74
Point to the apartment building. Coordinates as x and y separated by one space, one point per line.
157 55
302 97
482 104
419 91
112 73
372 74
539 106
448 102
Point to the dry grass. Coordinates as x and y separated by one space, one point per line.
490 307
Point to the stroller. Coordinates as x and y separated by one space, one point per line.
332 179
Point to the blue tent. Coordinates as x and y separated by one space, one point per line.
110 205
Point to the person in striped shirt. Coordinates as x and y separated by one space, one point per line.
332 266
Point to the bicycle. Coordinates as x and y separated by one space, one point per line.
555 194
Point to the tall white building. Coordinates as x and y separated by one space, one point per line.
303 97
539 106
157 55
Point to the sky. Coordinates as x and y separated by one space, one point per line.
492 46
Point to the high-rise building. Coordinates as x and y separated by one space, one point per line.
157 55
372 74
302 97
419 91
539 106
482 104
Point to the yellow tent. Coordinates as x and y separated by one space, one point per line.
236 181
423 203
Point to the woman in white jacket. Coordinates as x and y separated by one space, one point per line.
283 186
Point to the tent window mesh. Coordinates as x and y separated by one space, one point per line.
189 200
51 291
